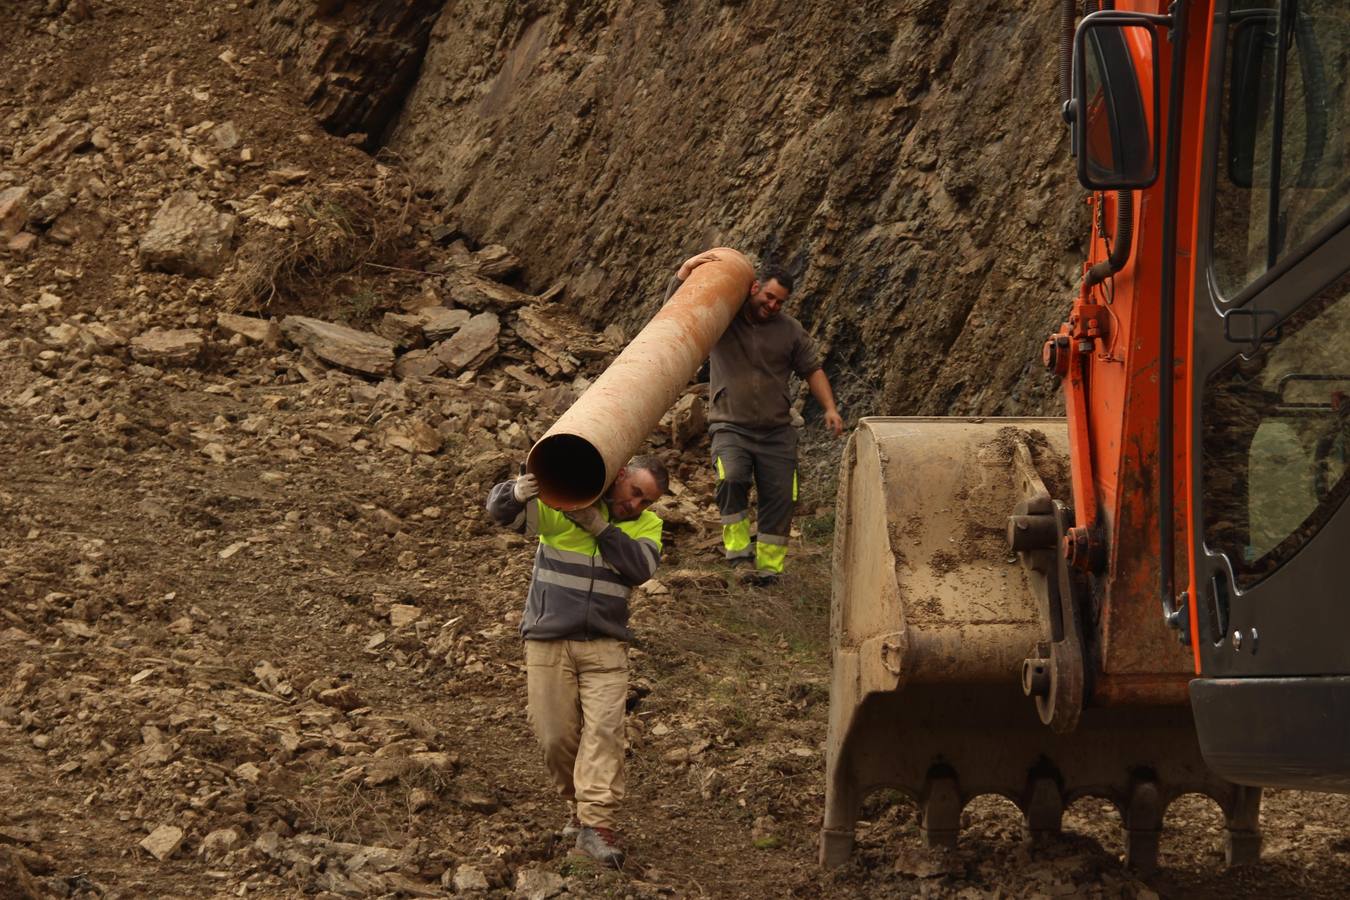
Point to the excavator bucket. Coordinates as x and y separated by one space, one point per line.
933 618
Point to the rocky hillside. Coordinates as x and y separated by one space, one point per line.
905 158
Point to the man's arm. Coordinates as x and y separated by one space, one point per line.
634 559
685 268
819 385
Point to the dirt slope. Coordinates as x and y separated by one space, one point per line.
252 619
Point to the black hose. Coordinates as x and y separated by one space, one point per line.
1067 11
1167 323
1124 238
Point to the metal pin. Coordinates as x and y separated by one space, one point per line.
1237 640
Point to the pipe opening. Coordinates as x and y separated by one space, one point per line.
570 470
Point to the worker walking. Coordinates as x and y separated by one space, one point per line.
750 419
576 634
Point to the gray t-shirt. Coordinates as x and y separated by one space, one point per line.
749 370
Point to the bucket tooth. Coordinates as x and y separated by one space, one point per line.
842 803
1043 811
836 846
1242 842
1143 827
841 816
940 810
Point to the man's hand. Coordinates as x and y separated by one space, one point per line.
525 489
694 262
589 519
834 421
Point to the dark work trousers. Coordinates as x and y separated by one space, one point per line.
769 462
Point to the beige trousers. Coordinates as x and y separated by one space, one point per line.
577 691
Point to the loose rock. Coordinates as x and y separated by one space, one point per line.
538 884
187 236
469 878
13 210
472 345
177 347
163 842
260 331
338 345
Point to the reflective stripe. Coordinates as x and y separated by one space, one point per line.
741 554
578 583
794 485
587 569
566 556
770 557
733 518
653 553
721 472
736 537
776 539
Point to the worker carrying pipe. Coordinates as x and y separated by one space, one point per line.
751 422
715 308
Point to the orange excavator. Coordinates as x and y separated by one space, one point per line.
1143 598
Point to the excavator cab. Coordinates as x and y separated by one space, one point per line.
1022 606
1269 384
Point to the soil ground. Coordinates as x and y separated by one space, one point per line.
231 607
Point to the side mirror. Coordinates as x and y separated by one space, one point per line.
1115 138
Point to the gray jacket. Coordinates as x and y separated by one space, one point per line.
580 585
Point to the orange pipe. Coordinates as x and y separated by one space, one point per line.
578 458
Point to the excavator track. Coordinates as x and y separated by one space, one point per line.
935 625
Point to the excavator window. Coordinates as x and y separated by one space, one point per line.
1276 439
1284 137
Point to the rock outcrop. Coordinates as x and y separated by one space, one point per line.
907 159
356 61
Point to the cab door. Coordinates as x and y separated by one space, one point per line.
1270 410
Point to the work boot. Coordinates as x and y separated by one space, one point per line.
600 844
760 578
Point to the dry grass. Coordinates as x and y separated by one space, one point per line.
338 228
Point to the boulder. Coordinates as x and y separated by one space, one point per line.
187 236
338 345
468 879
439 323
474 343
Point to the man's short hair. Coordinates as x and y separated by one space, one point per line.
658 469
776 273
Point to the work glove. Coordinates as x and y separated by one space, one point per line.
588 519
525 489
